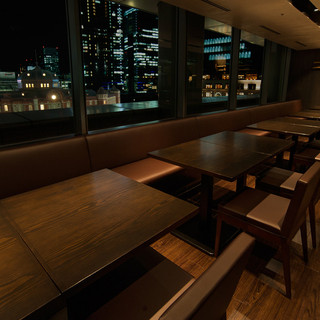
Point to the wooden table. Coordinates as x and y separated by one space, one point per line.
80 229
283 128
299 121
314 108
261 144
25 287
219 156
309 114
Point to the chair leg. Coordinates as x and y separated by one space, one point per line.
285 253
218 234
303 232
224 317
313 224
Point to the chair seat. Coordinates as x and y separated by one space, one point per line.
279 181
258 207
315 144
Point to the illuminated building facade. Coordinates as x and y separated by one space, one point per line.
115 51
51 59
141 51
94 15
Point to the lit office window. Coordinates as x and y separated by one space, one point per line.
35 62
250 69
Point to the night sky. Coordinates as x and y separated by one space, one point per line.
26 26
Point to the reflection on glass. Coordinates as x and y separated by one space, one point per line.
250 69
216 66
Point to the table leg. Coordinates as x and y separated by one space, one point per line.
241 182
200 230
205 198
292 151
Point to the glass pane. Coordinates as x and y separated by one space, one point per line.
120 56
35 85
250 69
216 66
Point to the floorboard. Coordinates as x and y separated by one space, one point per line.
260 295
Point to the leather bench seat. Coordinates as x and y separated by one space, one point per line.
255 132
222 121
124 151
147 170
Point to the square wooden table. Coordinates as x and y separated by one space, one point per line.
283 128
261 144
299 121
25 287
82 228
218 156
309 114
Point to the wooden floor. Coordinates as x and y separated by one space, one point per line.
260 295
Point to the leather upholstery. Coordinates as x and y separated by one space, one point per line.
283 182
209 296
279 181
205 298
217 122
273 218
116 148
30 167
33 166
259 207
147 170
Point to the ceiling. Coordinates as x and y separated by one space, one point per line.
275 20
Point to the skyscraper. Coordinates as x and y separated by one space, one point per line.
115 49
141 51
51 59
94 15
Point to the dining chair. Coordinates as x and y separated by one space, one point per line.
282 182
205 298
272 218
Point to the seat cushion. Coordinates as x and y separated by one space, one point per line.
279 181
255 132
259 207
150 294
147 170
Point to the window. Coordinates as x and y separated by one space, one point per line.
216 64
120 63
34 63
249 69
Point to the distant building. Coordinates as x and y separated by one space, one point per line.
38 89
8 81
115 71
141 51
94 37
51 59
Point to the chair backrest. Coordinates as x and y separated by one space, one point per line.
209 296
305 190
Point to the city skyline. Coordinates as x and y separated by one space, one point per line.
30 30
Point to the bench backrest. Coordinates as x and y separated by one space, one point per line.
30 167
116 148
